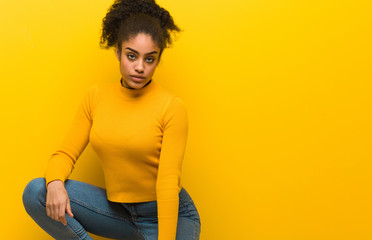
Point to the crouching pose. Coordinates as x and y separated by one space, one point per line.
138 130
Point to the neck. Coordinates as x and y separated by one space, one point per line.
134 93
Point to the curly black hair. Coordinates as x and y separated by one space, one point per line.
127 18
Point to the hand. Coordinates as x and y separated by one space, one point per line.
58 202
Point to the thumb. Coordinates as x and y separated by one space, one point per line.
68 209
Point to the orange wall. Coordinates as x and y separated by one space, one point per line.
279 99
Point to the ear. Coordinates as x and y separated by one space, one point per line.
117 53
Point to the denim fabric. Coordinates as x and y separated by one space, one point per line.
93 213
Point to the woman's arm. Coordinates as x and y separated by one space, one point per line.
170 165
61 163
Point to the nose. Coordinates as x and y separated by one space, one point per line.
139 67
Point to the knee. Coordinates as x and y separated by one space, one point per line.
34 192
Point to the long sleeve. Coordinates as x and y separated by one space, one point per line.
62 161
170 167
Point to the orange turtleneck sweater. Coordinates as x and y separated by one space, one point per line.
140 137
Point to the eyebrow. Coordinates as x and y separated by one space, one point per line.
137 52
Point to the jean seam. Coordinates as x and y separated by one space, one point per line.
72 231
142 233
139 229
98 210
194 237
67 226
197 227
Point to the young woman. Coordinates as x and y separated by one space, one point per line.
138 130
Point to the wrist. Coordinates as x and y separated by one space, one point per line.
55 183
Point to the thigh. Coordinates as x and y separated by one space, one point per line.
189 224
99 216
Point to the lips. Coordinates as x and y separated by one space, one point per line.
137 78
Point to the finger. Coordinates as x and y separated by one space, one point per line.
47 206
52 212
48 210
68 209
62 215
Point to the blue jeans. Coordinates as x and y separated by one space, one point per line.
95 214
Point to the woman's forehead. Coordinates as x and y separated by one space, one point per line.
141 43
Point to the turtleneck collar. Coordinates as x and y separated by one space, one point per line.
137 93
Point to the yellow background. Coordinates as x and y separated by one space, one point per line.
279 99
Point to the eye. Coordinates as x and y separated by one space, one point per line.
131 57
150 59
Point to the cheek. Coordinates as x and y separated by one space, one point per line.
152 69
124 67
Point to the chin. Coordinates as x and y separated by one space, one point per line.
137 85
132 84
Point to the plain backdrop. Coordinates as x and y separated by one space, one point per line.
279 100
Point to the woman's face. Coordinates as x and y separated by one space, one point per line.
138 60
